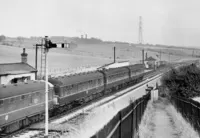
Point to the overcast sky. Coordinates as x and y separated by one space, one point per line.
174 22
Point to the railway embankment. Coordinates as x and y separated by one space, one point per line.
175 114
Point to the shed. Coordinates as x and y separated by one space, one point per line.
16 72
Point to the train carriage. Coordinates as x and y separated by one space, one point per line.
136 73
116 78
22 104
78 87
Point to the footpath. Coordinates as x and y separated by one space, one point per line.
161 120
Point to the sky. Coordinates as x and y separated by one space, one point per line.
170 22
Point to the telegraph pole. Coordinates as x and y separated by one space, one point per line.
140 36
142 56
114 55
36 55
140 33
160 55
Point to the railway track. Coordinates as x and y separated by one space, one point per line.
35 133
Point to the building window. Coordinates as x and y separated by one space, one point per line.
12 100
21 79
14 80
23 97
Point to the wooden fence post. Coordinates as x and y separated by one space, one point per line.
120 125
132 106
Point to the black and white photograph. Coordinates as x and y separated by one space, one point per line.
99 69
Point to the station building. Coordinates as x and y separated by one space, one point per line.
150 62
17 72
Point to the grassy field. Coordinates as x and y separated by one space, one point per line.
84 55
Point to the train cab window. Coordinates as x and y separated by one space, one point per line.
1 103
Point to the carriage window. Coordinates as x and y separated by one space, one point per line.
12 100
64 89
1 102
38 94
99 81
22 97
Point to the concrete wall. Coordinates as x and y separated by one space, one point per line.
6 79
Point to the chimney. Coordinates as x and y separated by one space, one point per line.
146 56
24 56
142 56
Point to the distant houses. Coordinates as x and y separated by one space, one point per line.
17 72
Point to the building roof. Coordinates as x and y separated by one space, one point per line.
112 71
15 68
136 67
76 78
115 65
11 90
150 59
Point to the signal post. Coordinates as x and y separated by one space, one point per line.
47 45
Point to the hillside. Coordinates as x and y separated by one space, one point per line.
85 53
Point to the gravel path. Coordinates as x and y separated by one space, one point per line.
161 120
164 122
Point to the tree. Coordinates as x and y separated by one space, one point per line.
2 37
184 82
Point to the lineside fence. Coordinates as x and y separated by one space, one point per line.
189 109
125 123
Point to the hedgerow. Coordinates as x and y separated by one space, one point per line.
184 81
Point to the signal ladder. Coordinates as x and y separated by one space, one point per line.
43 63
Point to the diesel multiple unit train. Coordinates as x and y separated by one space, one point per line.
23 104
